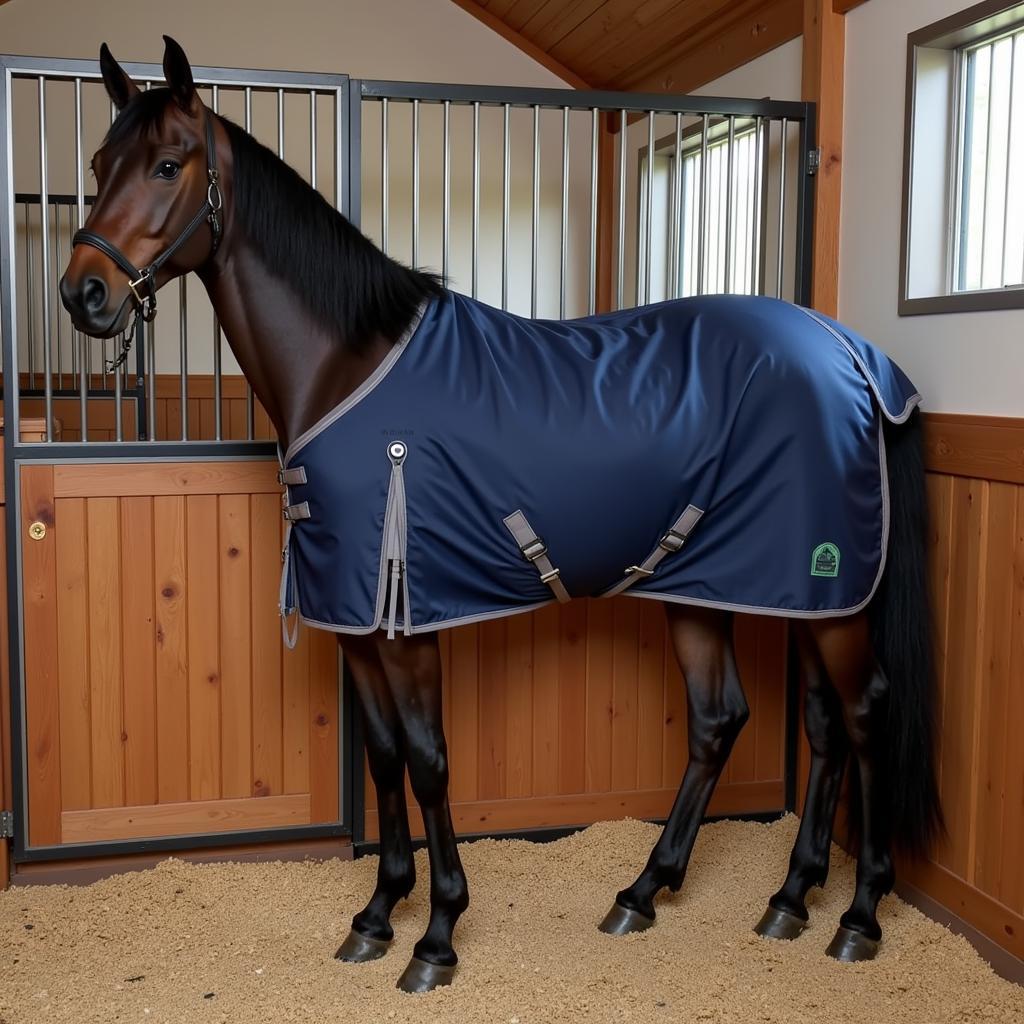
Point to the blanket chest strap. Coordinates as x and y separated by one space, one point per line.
535 550
668 545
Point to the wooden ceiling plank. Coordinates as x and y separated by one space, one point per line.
615 20
528 47
522 12
500 8
770 25
560 18
662 32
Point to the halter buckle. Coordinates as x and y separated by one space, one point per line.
146 303
213 193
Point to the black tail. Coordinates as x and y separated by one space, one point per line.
901 624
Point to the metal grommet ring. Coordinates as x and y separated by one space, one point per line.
397 450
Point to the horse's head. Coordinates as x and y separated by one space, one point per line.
158 199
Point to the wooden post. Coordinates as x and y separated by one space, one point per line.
6 802
824 42
823 52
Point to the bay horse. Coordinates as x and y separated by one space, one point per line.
316 316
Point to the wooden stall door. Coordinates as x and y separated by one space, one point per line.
159 698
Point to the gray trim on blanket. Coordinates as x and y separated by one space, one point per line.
912 402
360 392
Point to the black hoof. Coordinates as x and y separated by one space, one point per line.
360 949
850 946
421 976
778 924
621 921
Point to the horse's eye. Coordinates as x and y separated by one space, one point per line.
167 169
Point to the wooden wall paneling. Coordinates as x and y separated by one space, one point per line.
6 765
203 616
267 767
138 650
600 696
625 660
572 697
171 654
961 678
650 695
1010 886
519 706
546 725
464 738
994 684
234 558
492 698
42 724
74 691
324 727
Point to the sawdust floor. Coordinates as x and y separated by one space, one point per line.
255 942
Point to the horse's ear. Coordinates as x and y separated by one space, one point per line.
120 88
178 73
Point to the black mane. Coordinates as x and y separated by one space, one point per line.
348 284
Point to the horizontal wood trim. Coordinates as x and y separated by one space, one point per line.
199 817
586 808
146 479
983 447
845 6
1001 924
86 870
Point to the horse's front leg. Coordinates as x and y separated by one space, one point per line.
371 932
413 668
702 639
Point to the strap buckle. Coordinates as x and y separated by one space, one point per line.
672 542
639 570
535 549
547 577
213 193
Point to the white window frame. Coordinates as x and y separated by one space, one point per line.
932 228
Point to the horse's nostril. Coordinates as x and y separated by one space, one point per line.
94 294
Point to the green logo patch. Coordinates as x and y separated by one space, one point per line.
825 560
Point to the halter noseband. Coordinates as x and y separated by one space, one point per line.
143 282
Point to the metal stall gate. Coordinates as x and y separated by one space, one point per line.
153 706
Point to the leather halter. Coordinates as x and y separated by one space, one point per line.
143 282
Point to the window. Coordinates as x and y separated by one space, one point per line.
989 232
730 253
963 191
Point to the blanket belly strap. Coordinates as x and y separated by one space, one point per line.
535 550
668 545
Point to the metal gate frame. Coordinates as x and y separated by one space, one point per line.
349 94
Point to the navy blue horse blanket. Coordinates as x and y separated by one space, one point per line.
725 451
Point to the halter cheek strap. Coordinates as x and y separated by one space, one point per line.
143 282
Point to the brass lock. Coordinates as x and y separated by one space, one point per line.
37 531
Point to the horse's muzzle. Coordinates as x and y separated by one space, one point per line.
87 302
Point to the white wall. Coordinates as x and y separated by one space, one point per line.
962 362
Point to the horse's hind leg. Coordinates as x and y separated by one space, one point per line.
702 639
846 650
371 931
786 916
413 668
